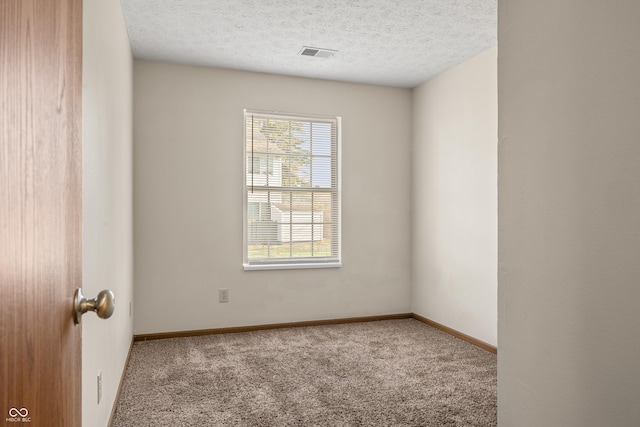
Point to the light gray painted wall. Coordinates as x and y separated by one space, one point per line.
569 213
107 253
454 221
188 159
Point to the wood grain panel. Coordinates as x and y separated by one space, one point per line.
40 209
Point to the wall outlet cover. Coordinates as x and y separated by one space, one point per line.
223 295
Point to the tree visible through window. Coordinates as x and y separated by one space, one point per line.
292 200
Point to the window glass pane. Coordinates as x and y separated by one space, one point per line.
321 139
321 172
262 233
252 211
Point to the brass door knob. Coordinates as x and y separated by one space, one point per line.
103 305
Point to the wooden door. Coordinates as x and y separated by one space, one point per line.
40 211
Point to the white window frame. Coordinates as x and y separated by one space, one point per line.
292 263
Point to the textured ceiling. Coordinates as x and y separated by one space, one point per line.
387 42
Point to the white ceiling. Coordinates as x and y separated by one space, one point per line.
388 42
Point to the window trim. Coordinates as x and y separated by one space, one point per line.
303 263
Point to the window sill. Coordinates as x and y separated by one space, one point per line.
301 266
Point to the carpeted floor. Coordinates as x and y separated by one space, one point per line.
386 373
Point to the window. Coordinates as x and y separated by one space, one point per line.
291 191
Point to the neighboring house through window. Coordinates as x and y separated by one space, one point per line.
292 196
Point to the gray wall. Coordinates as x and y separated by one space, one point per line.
107 218
188 160
569 213
454 222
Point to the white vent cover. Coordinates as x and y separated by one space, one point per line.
316 52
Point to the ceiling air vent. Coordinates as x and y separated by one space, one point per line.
317 52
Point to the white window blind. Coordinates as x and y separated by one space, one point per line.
292 191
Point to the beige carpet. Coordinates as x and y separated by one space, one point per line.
387 373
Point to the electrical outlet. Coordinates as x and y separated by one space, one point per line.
99 386
223 295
